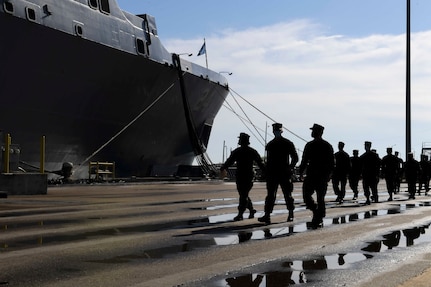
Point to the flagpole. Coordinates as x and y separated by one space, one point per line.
203 50
206 53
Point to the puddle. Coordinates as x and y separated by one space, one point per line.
68 238
292 272
192 201
400 239
297 271
187 246
34 224
34 212
224 238
220 236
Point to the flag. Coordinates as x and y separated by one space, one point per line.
203 50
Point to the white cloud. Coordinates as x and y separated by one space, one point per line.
297 75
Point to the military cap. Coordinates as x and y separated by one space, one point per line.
277 127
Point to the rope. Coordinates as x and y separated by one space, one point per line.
301 138
128 125
245 121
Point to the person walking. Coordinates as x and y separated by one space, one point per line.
425 174
412 171
400 172
341 170
370 170
244 156
355 173
318 163
281 158
390 171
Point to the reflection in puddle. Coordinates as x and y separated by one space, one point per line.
292 272
298 270
276 278
404 238
226 237
415 235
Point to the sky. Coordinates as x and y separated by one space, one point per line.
338 63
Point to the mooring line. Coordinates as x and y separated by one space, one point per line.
128 125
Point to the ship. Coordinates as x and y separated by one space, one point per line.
99 85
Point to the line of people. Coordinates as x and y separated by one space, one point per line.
371 168
319 164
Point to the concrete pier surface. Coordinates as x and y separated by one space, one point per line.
182 234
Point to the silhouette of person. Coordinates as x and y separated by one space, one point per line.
370 170
341 170
281 159
412 171
318 162
392 240
245 280
400 172
411 234
390 171
355 173
425 174
244 156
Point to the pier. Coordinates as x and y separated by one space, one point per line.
182 234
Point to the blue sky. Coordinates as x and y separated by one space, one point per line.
340 63
192 18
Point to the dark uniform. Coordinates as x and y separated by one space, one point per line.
399 173
390 171
244 156
341 170
425 174
370 169
281 159
355 173
318 162
412 171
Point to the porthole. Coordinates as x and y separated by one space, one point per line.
79 30
31 14
8 7
140 47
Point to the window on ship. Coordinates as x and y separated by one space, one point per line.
93 4
104 6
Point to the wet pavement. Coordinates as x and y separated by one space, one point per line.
182 234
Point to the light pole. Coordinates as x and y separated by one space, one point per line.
408 99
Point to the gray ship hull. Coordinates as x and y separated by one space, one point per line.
82 95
